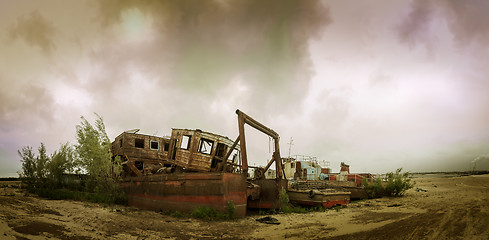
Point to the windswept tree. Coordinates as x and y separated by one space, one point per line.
62 162
44 174
42 163
34 168
29 167
93 150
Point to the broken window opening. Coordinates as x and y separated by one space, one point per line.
292 165
155 145
185 142
205 146
174 148
166 147
221 149
214 163
139 143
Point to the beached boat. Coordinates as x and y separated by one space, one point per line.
357 192
326 198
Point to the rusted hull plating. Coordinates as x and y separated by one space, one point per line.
269 193
186 191
317 198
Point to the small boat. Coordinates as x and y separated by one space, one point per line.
357 192
327 198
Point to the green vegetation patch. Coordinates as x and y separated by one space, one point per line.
210 213
86 171
393 184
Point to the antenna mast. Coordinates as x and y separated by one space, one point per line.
290 145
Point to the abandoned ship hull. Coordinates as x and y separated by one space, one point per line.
319 198
186 191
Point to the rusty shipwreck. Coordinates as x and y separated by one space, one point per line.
194 168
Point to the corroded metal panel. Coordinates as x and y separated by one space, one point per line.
186 191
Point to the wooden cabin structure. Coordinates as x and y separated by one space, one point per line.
185 150
196 150
140 153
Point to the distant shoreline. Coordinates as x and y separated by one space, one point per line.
447 174
463 173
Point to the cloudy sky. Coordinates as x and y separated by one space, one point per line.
376 84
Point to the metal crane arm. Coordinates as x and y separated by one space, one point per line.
242 119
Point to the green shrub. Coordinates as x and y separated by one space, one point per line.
320 209
207 213
62 193
210 213
299 210
283 198
374 189
397 183
394 184
177 214
286 209
45 174
231 209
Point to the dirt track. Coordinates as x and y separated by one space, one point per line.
452 208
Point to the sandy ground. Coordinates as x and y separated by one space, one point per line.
451 208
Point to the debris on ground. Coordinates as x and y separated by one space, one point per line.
268 220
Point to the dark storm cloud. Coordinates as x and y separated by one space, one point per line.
197 52
467 21
204 44
35 30
415 28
